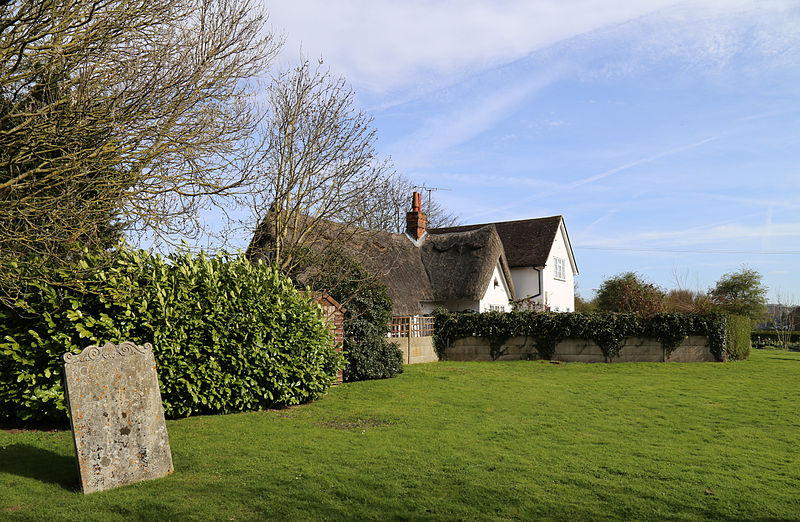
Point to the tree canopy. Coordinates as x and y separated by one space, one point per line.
121 114
628 292
742 293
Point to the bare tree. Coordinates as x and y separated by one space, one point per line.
121 114
783 317
393 200
321 176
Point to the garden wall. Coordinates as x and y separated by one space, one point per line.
415 349
635 349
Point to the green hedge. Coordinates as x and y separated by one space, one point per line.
738 342
227 335
607 330
772 336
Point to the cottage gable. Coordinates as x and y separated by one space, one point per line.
540 259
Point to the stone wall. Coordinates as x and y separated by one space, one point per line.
635 349
415 349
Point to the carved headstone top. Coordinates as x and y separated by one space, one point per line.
117 416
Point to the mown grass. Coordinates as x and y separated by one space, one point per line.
502 440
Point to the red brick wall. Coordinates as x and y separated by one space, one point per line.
334 314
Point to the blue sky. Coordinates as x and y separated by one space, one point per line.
666 133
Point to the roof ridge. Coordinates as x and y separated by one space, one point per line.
513 221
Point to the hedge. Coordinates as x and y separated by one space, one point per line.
772 336
738 342
607 330
227 335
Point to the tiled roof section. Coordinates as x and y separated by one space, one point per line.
526 242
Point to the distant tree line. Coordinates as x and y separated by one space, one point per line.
740 292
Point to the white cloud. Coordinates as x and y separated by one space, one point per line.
386 45
469 119
383 45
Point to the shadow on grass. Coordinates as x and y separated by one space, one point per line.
40 464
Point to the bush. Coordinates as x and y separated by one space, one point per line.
689 302
629 293
741 293
366 321
773 337
738 341
227 335
372 358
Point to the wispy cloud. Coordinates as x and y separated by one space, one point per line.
571 186
469 119
490 179
385 45
704 235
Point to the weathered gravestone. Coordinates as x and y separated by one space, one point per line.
117 416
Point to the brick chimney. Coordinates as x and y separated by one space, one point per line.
416 220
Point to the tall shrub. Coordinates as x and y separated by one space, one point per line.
741 293
629 293
227 335
368 312
737 343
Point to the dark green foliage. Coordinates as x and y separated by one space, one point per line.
773 337
372 358
607 330
741 293
738 342
227 335
366 322
629 293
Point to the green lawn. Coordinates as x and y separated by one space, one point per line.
467 441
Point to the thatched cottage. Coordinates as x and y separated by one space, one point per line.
475 267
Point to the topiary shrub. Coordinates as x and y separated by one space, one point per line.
227 335
737 343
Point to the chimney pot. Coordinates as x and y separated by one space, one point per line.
416 220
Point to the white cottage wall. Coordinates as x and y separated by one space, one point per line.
559 292
526 281
497 294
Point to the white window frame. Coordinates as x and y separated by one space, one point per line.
559 269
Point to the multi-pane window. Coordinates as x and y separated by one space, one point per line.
560 271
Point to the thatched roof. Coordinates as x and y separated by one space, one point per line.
526 242
460 264
436 269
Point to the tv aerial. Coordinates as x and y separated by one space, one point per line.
430 189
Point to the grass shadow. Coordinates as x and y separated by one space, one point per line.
26 460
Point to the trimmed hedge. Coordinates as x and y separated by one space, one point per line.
607 330
738 342
227 335
772 335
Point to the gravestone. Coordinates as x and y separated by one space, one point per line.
117 416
